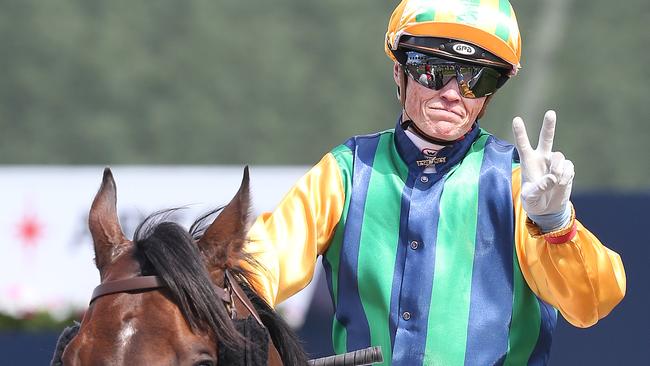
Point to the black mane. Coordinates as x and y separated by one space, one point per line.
168 250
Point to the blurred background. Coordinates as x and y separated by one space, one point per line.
195 89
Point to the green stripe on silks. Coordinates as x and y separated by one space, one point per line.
426 15
469 14
384 195
343 156
454 259
501 30
526 316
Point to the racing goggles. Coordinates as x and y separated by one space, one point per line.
474 81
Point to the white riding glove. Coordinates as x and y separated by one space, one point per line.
546 176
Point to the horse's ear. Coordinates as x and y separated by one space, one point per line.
104 224
224 239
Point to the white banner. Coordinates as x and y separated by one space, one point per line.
46 253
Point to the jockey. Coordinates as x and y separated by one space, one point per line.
441 243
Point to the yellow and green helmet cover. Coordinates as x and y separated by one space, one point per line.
488 24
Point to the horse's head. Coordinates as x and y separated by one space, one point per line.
183 321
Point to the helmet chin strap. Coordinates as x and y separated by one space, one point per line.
407 122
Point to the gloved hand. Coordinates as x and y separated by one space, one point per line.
546 176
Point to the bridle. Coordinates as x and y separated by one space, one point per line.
227 294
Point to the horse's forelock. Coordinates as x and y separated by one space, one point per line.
169 251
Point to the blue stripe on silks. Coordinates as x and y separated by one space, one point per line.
408 149
413 274
350 311
492 288
542 350
327 267
351 143
415 297
400 258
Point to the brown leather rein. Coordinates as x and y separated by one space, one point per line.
150 283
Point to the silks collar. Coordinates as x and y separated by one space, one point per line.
446 157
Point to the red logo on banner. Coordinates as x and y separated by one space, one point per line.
30 230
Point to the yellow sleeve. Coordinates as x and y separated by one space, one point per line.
287 241
581 277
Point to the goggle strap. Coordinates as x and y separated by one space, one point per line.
402 75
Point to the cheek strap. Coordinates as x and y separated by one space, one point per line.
401 76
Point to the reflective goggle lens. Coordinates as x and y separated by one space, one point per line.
434 73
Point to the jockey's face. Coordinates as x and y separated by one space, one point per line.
442 114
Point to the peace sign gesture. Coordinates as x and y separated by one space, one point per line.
546 176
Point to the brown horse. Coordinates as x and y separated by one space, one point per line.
173 296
